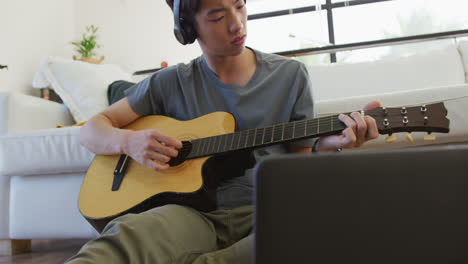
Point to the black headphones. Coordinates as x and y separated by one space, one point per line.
184 31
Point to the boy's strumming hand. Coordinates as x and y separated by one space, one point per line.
152 148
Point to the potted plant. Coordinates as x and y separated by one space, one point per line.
87 45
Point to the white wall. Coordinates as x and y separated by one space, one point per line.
30 30
136 34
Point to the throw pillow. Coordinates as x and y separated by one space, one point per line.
82 86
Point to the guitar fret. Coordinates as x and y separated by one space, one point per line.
211 144
259 136
318 125
242 138
235 140
202 151
282 133
263 136
288 130
268 135
220 142
311 128
277 133
305 127
216 141
195 148
272 133
250 138
225 141
298 129
293 129
254 137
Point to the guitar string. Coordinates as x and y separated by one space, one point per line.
299 125
304 124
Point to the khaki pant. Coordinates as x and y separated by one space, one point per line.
174 234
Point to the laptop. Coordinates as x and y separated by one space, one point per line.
399 206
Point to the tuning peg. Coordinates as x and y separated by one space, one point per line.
390 139
429 137
409 137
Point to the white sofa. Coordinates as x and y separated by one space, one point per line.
41 167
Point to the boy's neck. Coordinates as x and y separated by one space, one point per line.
237 69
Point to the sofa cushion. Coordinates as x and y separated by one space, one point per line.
442 67
45 206
82 86
48 151
21 112
455 99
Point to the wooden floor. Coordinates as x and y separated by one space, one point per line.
46 252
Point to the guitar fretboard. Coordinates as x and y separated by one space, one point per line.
265 136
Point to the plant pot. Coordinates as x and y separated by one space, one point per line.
90 60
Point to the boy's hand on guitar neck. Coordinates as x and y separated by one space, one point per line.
152 148
359 130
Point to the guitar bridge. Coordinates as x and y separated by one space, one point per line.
119 171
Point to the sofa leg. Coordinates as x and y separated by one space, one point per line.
12 247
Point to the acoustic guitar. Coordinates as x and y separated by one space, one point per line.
115 185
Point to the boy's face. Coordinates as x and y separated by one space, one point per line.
221 26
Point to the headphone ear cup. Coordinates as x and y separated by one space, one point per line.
188 31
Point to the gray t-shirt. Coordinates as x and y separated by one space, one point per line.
278 92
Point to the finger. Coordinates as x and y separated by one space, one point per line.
349 138
372 131
168 140
361 128
152 155
348 121
154 165
371 105
165 150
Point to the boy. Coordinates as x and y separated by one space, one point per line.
258 89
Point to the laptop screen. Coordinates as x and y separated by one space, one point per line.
401 206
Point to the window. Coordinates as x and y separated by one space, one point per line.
278 25
272 34
288 25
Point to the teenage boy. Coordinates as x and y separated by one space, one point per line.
259 89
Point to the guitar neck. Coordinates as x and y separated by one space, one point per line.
266 136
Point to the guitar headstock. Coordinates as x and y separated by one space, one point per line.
424 118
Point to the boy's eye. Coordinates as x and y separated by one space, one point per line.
218 19
240 7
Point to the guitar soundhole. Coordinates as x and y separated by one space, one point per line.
183 153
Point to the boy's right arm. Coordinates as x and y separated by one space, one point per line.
103 135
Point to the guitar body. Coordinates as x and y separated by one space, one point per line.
142 188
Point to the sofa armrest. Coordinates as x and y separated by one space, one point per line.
21 112
43 152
